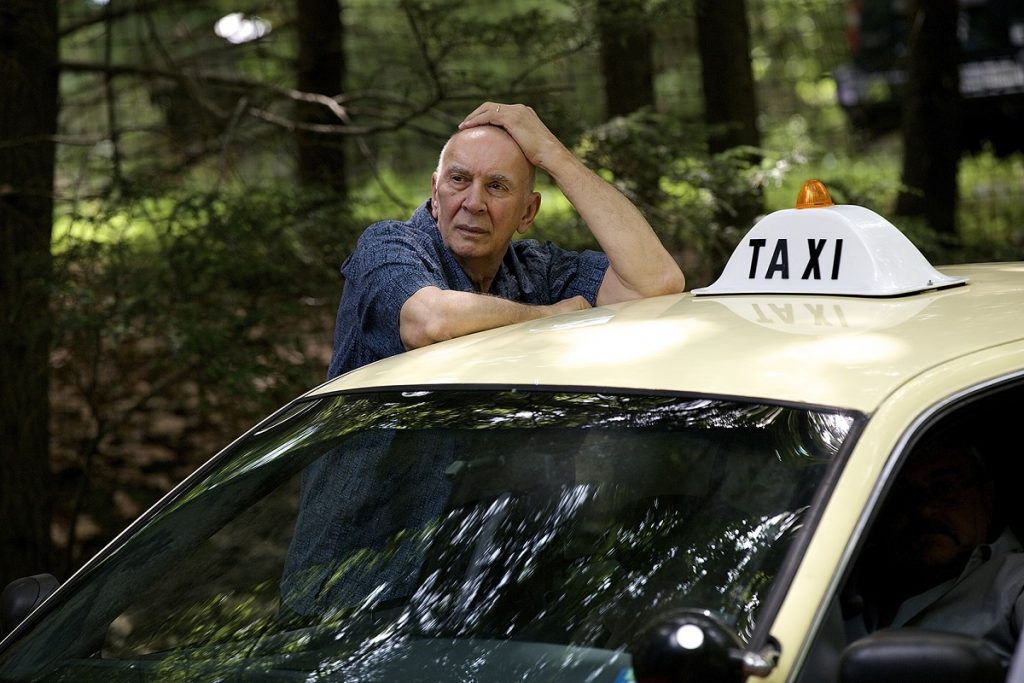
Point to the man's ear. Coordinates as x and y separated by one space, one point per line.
433 195
531 212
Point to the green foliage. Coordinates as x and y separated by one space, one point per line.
443 59
211 306
796 45
692 199
991 214
213 289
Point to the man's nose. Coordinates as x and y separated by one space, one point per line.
475 199
929 508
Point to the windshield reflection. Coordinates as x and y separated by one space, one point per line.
497 534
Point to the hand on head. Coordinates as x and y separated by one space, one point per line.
538 143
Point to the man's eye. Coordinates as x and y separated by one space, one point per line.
497 186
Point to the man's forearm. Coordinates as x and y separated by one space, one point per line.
640 264
432 314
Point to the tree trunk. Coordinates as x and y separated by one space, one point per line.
730 106
28 123
320 69
627 61
730 103
931 116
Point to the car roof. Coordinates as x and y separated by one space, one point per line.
842 351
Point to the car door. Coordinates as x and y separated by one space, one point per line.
964 626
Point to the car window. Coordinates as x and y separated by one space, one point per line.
455 534
943 551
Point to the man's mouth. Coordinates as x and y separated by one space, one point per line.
935 530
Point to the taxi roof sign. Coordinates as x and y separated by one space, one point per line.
825 248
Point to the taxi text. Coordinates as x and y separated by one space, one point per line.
779 262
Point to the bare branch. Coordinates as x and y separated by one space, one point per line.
118 12
421 44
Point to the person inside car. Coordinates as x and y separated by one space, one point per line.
940 556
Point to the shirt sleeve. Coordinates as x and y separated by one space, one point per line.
388 266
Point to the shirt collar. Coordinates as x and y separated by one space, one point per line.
1005 543
511 281
423 220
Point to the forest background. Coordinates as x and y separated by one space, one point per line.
180 180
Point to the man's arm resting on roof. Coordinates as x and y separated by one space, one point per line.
640 266
432 314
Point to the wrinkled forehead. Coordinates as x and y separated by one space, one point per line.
485 149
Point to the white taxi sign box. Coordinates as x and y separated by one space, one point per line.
843 250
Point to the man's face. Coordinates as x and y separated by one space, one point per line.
941 509
481 195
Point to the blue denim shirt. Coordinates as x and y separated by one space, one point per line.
393 260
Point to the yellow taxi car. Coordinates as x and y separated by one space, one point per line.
682 488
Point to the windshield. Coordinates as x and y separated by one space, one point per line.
449 535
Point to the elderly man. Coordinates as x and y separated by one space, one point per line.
453 268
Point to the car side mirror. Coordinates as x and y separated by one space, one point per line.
692 645
21 596
920 656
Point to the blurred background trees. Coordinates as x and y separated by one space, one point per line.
213 161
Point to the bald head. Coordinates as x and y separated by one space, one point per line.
496 143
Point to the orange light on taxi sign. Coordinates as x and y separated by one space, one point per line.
823 248
813 195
